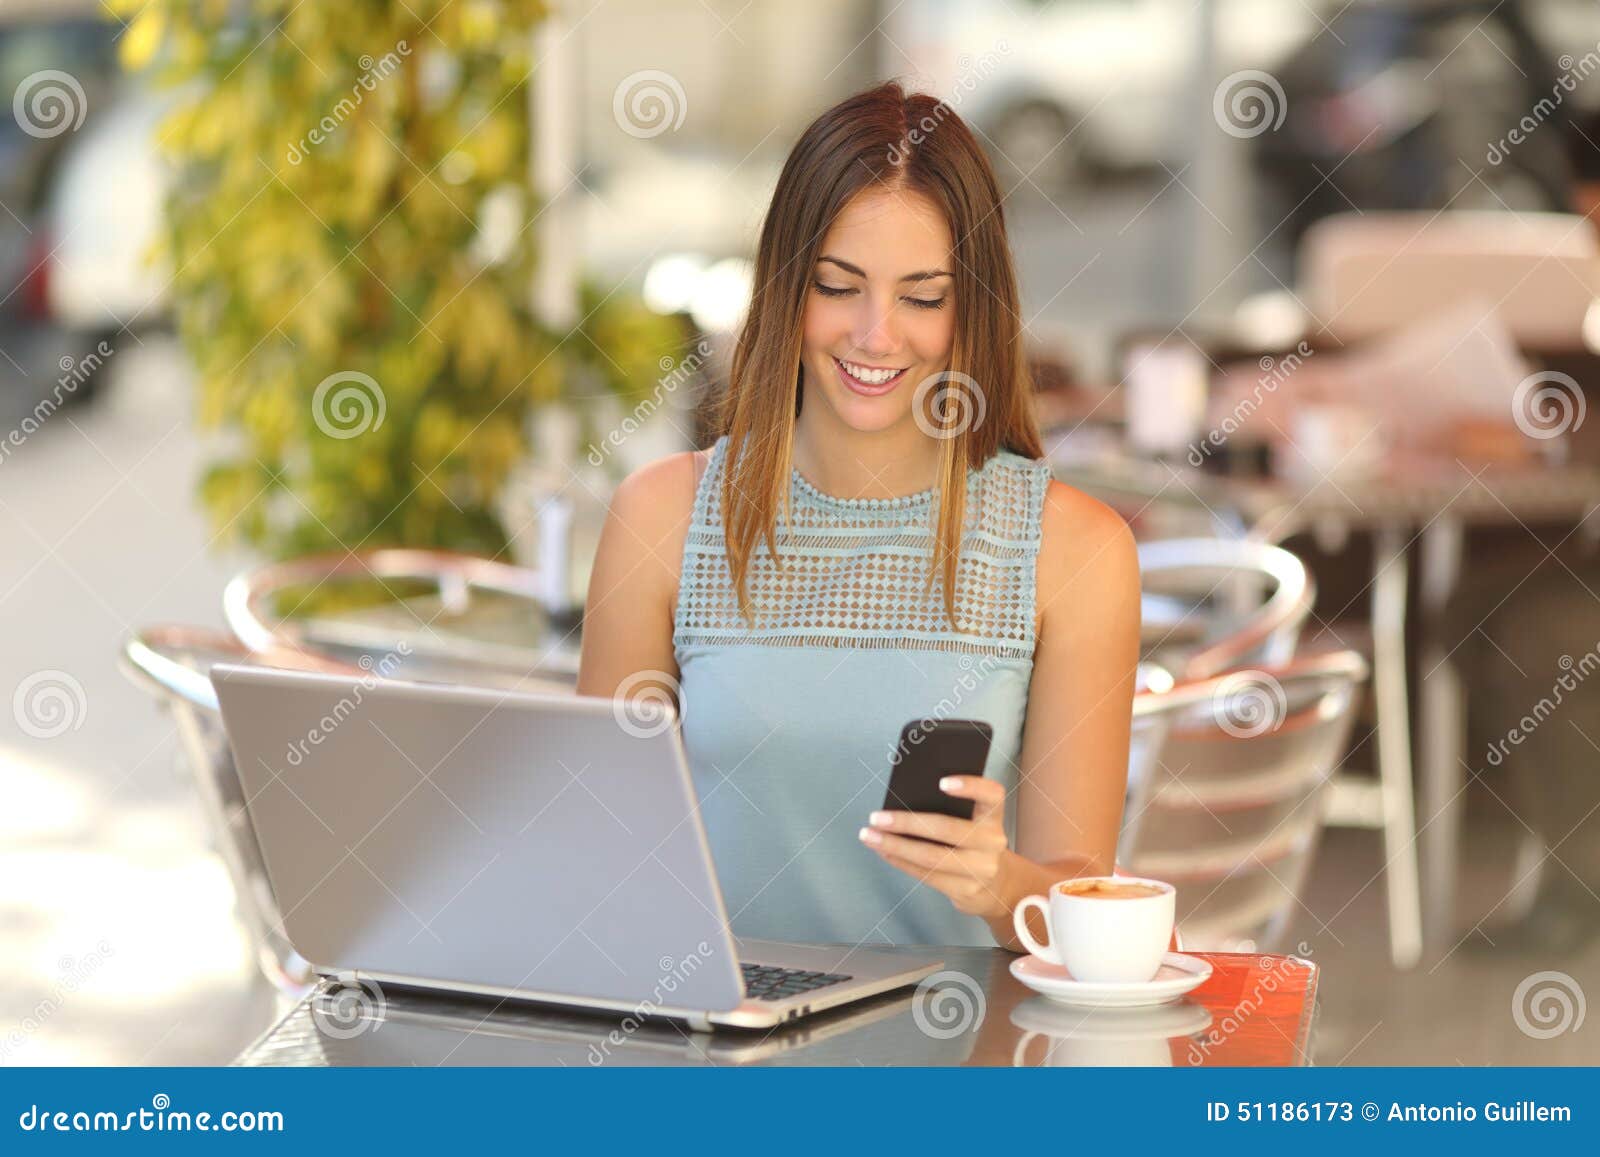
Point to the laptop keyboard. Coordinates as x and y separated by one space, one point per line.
770 982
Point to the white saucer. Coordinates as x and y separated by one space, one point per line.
1178 975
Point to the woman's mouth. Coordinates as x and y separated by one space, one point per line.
869 380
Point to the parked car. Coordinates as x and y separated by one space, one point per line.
104 211
54 74
1409 106
58 74
1064 89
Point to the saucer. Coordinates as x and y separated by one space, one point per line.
1178 975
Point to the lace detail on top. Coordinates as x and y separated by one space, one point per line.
855 569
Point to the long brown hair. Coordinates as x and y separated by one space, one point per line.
888 139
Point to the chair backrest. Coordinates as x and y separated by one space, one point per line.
1212 604
1365 274
175 661
1230 797
484 623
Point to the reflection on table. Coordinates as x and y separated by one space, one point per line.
1255 1010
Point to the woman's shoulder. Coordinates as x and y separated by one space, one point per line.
1085 547
660 495
1018 471
1008 492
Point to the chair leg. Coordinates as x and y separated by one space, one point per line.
1441 724
1401 884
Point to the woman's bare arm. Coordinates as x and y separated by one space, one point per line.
1074 759
627 619
1073 766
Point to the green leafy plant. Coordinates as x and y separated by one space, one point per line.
359 321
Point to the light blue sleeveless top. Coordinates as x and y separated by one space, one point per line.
790 724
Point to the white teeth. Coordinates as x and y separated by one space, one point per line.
869 376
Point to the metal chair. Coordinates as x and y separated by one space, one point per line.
1212 604
173 662
448 637
1230 799
484 624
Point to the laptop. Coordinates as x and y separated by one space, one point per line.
521 845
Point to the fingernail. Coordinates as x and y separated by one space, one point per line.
950 783
868 836
882 820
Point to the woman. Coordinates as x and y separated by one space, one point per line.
874 540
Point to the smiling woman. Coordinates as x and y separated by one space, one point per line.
874 540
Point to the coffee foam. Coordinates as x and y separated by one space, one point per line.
1108 889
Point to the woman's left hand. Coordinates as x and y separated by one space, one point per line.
970 860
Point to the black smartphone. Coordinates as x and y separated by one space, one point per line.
929 750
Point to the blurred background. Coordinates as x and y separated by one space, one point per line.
1309 290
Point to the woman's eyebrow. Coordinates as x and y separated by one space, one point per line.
920 275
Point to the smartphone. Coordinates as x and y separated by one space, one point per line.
929 750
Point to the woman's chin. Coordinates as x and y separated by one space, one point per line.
868 415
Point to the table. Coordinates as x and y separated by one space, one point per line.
1254 1010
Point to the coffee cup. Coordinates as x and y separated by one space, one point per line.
1103 929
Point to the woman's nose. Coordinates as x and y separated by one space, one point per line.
875 334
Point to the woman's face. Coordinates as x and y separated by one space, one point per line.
880 313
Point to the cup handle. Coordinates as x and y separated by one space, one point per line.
1019 1055
1019 921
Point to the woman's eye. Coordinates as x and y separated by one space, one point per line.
846 291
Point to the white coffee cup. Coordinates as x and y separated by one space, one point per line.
1099 937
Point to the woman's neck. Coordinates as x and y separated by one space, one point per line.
848 463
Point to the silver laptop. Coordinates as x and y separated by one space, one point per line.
520 845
